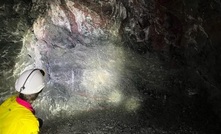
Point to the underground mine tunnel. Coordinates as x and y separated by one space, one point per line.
117 66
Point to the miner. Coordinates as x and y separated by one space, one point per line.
16 113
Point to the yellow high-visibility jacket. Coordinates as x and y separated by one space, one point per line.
16 118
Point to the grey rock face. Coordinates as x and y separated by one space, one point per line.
117 66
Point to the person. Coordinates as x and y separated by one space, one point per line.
16 113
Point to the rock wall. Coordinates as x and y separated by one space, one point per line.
148 62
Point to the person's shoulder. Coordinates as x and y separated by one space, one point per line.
30 120
30 123
27 115
9 100
12 97
25 123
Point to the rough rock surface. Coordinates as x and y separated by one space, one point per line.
117 66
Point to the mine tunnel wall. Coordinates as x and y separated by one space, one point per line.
180 39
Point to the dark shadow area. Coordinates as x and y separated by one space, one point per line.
8 53
175 115
183 35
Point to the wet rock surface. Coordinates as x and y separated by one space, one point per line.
117 66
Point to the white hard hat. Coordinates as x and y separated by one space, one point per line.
30 81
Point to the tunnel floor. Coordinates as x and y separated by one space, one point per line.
154 117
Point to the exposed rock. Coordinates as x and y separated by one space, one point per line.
117 66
